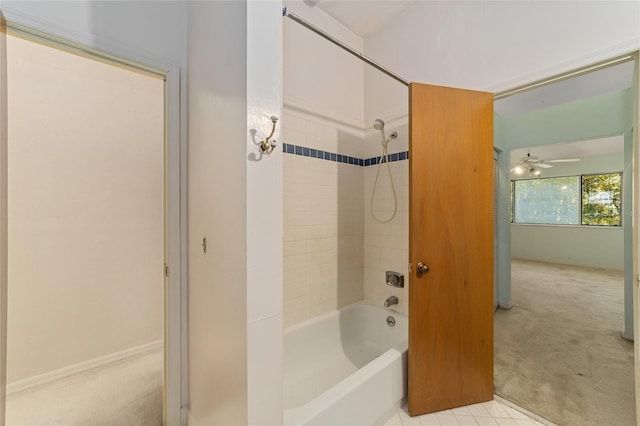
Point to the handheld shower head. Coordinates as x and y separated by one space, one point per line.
379 125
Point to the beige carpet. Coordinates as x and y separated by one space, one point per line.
558 351
127 393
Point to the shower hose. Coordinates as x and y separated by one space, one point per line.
375 185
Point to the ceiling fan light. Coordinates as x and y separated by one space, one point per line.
518 170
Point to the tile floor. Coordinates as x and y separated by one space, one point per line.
492 413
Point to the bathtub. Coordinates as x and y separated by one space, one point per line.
347 367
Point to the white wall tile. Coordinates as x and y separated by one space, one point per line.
386 245
323 224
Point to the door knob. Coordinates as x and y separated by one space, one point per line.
421 268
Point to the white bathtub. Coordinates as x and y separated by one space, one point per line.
345 368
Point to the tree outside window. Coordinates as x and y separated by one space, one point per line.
601 199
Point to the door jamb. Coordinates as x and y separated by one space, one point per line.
175 197
633 55
3 215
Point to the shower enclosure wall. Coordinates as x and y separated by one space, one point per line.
335 253
323 217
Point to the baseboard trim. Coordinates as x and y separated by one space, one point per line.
102 361
582 265
190 419
505 306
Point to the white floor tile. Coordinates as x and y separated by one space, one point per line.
491 413
408 420
527 422
478 410
394 421
466 420
486 421
496 409
447 420
515 414
506 422
429 420
462 411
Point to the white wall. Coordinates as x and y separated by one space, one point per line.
155 30
86 202
320 77
3 214
323 200
217 211
323 224
264 215
386 245
158 31
335 253
152 32
493 45
235 201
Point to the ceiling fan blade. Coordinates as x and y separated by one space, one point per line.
543 165
529 158
564 160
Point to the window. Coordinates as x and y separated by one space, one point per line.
601 199
572 200
549 201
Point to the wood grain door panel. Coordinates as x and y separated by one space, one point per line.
451 230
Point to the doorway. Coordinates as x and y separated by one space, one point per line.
86 235
554 113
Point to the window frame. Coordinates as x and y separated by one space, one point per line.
512 188
621 200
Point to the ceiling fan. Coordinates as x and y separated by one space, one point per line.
531 164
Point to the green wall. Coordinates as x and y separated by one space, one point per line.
595 246
591 118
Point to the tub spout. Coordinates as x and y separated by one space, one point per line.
391 300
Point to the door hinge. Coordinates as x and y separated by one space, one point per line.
166 270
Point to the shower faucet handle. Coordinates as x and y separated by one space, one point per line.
394 279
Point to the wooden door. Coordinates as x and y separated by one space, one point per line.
451 231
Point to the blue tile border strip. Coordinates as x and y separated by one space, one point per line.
304 151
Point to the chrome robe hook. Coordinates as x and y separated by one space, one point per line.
267 146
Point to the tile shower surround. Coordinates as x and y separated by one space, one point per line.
308 264
334 251
332 156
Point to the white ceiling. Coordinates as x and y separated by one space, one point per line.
581 149
607 80
362 16
365 16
